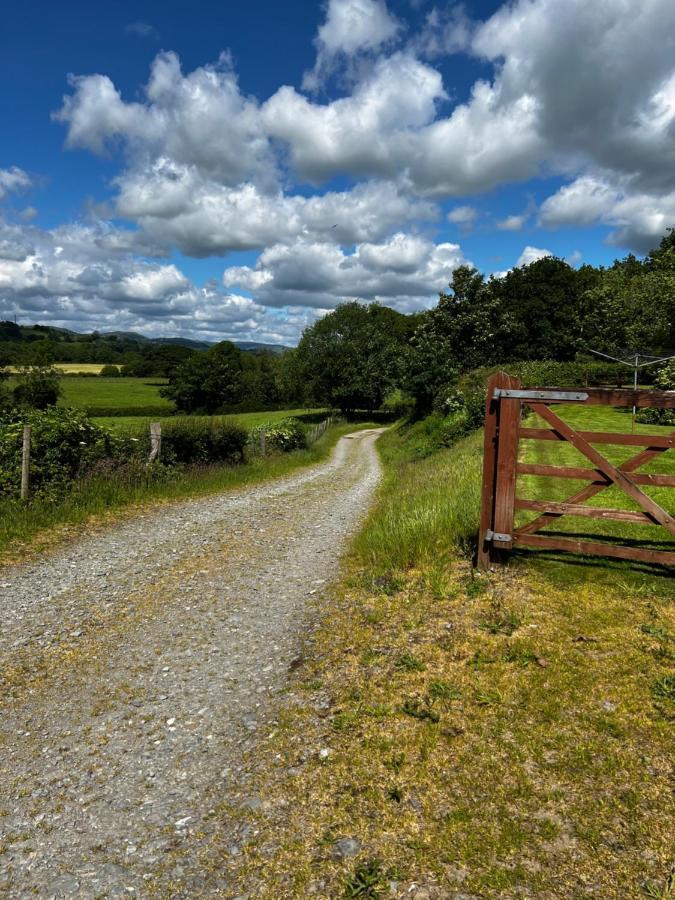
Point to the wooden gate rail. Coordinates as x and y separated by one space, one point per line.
503 433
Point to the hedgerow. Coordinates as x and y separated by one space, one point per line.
63 443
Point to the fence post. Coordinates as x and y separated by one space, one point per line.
263 443
507 462
155 441
25 463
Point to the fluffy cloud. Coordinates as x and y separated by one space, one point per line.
574 84
512 223
86 277
532 254
176 206
200 119
370 132
640 219
599 75
351 26
405 272
464 216
445 31
582 90
13 179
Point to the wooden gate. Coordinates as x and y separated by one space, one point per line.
504 430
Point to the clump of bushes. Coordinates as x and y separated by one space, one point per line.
199 439
109 371
63 444
282 436
37 387
664 381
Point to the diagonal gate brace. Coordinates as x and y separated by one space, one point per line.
620 478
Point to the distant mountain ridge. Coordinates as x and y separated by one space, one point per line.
13 333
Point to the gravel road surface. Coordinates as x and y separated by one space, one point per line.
137 665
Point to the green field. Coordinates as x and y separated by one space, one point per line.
113 392
248 420
595 418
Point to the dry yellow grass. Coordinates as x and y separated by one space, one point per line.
73 368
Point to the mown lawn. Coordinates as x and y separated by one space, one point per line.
563 454
506 735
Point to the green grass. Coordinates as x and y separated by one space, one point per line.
427 506
559 453
34 526
248 420
112 392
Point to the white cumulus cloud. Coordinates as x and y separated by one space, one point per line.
406 272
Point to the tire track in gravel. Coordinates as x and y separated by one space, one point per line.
137 667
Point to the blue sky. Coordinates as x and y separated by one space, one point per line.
235 170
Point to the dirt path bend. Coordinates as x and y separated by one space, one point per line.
138 665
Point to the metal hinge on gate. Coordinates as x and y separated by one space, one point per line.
491 535
563 396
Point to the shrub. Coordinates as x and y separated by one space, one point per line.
398 404
63 443
283 436
664 381
37 387
109 372
200 439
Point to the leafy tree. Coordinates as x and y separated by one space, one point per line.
541 309
354 356
207 382
37 387
109 371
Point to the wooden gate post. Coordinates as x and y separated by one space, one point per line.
500 449
155 441
489 469
25 463
507 462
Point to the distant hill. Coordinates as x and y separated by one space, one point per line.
31 344
11 332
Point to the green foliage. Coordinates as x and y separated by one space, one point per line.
355 356
207 382
398 404
283 436
64 443
368 880
198 439
37 387
109 372
664 381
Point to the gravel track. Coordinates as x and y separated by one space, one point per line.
139 665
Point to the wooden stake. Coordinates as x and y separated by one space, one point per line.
155 441
25 463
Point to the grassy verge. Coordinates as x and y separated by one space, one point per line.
31 528
446 734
